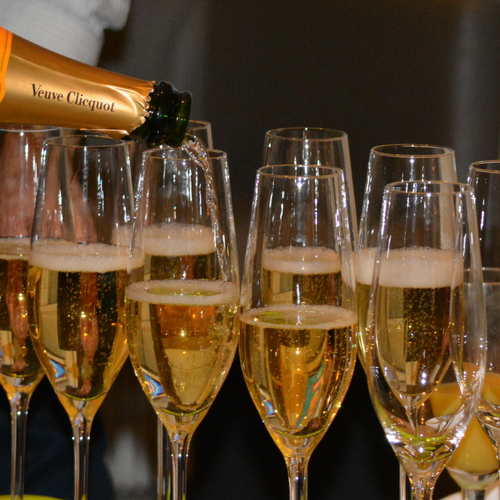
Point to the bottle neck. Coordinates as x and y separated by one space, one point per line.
168 116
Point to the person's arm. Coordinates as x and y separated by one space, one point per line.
72 28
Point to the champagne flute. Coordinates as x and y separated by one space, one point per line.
20 371
182 315
79 267
201 130
313 146
298 320
391 163
484 177
426 345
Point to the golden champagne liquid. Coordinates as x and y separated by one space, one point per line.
20 369
413 318
297 362
182 342
77 306
363 270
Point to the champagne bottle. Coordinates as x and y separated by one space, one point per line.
41 87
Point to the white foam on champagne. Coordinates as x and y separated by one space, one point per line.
421 268
183 292
14 248
175 240
74 257
301 260
300 317
364 261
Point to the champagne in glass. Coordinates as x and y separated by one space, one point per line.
80 266
426 346
298 320
200 131
387 164
182 316
20 371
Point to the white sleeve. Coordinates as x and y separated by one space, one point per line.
74 28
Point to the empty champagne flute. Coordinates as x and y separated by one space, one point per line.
20 371
79 268
484 177
426 345
313 146
182 316
298 320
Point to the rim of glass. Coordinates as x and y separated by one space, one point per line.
324 134
74 141
198 125
438 151
290 171
426 188
25 127
161 153
478 165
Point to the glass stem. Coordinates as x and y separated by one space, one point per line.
474 494
81 438
179 443
421 489
402 483
164 474
19 414
297 476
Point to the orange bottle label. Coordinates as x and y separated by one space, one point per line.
5 46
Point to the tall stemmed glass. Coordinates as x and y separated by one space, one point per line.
298 319
201 130
20 371
484 177
79 268
313 146
426 347
391 163
182 315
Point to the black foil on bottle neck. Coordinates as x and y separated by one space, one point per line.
168 116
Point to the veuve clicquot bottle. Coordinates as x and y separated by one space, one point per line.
41 87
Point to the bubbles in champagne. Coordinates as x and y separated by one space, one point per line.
298 361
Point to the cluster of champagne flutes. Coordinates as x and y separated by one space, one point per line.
105 266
